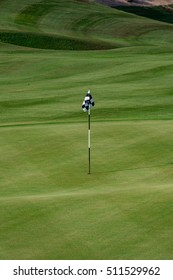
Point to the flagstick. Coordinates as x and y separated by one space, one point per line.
89 148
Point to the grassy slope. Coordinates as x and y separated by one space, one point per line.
50 208
161 13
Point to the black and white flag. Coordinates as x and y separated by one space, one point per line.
88 102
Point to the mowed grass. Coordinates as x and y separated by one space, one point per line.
50 208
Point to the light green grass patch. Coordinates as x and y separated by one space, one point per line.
52 209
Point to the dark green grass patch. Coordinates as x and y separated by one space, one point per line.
164 14
43 41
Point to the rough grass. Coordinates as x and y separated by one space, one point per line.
43 41
161 13
50 207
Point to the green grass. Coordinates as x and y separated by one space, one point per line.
50 207
161 13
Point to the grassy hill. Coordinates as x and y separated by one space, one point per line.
161 13
51 52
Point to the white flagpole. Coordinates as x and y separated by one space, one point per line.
89 144
86 106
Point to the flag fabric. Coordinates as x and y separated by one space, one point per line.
88 102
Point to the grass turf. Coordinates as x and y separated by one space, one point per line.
50 207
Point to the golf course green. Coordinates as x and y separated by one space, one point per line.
51 53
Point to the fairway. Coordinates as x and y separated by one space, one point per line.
50 208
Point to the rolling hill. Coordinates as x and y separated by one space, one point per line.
157 10
74 25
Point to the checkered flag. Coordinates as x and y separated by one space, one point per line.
88 102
